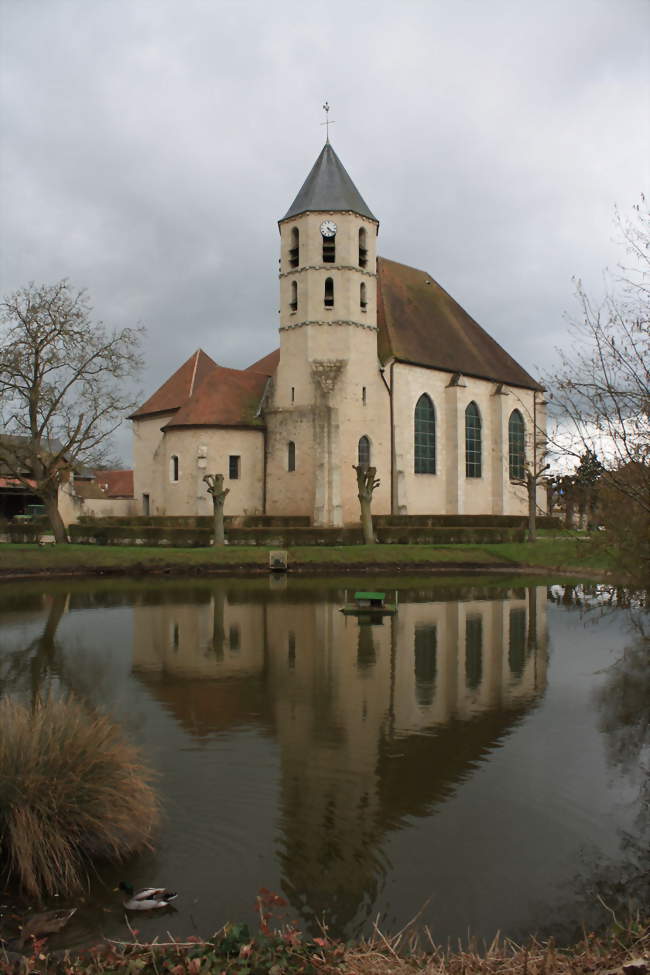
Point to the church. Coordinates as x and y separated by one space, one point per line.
377 365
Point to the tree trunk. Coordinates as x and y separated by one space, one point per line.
366 483
531 486
219 532
218 494
56 521
568 513
366 521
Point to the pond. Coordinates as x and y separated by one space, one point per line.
477 759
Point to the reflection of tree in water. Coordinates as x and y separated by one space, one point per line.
28 669
624 705
45 663
622 885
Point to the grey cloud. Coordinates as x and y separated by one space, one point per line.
148 149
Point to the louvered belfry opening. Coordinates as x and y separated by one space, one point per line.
294 250
363 249
329 250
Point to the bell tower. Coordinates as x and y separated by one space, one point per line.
328 373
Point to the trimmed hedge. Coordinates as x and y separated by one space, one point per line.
466 521
288 537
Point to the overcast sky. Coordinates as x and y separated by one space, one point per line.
148 148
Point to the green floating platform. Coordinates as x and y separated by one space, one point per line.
370 603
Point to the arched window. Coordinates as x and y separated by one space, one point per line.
516 446
293 304
425 436
364 452
363 249
329 292
362 296
291 456
294 250
472 441
173 467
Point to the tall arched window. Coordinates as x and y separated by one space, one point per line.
363 248
329 292
516 446
291 456
363 301
293 304
472 441
364 452
173 467
425 436
294 250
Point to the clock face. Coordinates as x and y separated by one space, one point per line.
328 228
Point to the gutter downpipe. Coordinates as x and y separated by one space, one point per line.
393 486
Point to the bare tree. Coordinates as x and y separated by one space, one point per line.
65 387
602 384
218 493
366 483
602 387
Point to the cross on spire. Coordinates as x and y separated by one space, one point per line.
327 121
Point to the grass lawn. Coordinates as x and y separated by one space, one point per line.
564 553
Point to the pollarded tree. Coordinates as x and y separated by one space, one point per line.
218 494
366 484
65 387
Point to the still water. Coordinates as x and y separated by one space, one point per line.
478 758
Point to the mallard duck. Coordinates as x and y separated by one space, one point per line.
147 899
40 925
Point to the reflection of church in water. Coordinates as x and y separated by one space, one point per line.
373 723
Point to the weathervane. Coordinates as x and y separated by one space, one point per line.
327 121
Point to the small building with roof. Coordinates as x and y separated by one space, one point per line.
377 365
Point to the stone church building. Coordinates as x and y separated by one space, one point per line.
377 365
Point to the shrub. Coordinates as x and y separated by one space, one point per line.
72 790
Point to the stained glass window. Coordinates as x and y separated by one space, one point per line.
364 452
425 436
516 446
472 441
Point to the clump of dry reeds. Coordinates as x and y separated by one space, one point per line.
624 950
72 791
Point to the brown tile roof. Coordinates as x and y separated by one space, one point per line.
179 387
115 484
223 398
420 323
267 365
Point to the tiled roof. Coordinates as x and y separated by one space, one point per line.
223 398
267 365
420 323
179 387
328 187
115 484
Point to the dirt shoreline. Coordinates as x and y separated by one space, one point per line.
243 569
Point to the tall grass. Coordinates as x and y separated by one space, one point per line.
72 791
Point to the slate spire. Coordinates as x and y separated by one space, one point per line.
328 187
